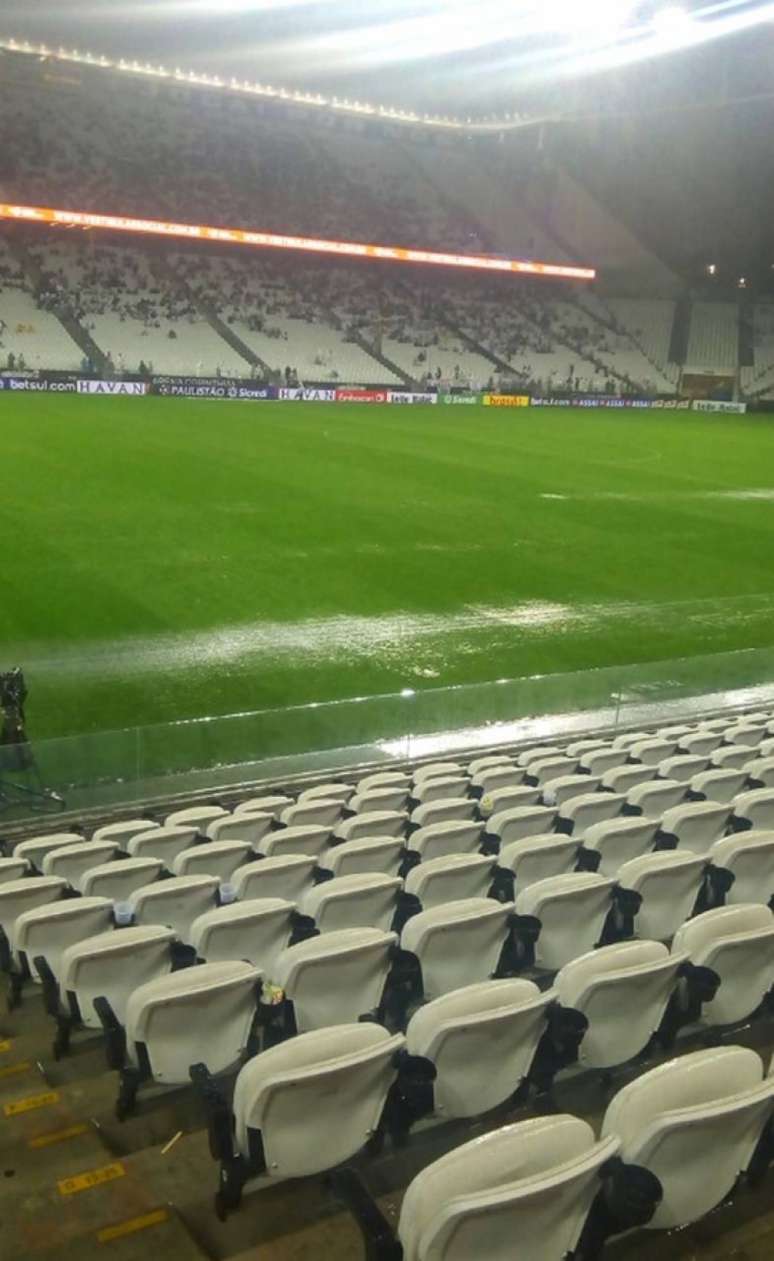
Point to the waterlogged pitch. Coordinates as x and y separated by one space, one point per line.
165 559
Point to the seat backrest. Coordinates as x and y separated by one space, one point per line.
500 799
317 811
458 943
761 770
335 790
619 779
317 1098
13 869
652 750
482 1040
526 756
450 878
19 896
755 808
48 930
164 843
71 861
587 808
436 768
504 775
372 853
271 803
336 978
214 858
124 831
623 991
197 1015
730 757
250 827
546 769
750 857
354 902
518 822
311 839
694 1122
175 903
572 911
737 942
112 965
441 788
257 931
720 785
197 817
287 876
657 796
696 824
598 761
701 743
488 762
380 779
668 883
564 787
35 850
117 880
436 840
619 840
534 1182
683 767
747 734
373 823
539 857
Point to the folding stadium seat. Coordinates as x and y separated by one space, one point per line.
380 779
48 930
653 750
257 930
310 840
16 898
287 876
730 757
519 822
198 817
718 785
748 734
248 827
69 862
216 858
669 883
488 763
654 798
749 857
579 748
525 756
567 786
175 903
13 869
458 836
356 901
451 878
458 943
385 797
110 965
766 747
439 788
760 772
334 791
336 978
700 743
272 804
34 850
500 799
696 825
204 1014
164 843
437 768
737 943
753 809
607 846
504 775
572 911
535 858
302 1107
481 1040
376 853
316 812
375 823
535 1182
597 761
676 731
124 831
628 738
542 770
623 991
118 880
442 811
695 1123
683 767
621 779
581 812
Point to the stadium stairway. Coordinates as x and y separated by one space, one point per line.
383 359
218 325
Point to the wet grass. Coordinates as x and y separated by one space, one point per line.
165 558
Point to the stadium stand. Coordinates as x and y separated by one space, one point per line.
713 343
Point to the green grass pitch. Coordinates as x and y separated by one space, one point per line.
164 559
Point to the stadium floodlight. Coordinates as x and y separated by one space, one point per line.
711 269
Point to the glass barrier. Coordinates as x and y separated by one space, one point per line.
109 768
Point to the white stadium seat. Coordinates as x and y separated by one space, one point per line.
538 857
696 825
599 761
544 770
442 811
250 827
579 813
436 840
695 1123
519 822
621 778
669 883
336 978
482 1040
256 931
311 841
359 901
760 772
736 942
374 853
124 831
749 857
36 849
450 878
112 965
48 930
701 743
20 896
198 817
434 788
458 943
754 809
379 779
504 775
117 880
213 858
374 823
437 768
272 804
287 876
500 799
720 785
164 843
567 786
616 841
13 869
333 791
683 767
653 750
654 798
315 811
572 911
488 762
731 757
174 903
623 991
71 861
384 797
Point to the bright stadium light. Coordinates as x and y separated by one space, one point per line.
673 24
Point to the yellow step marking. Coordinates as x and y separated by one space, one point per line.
22 1067
58 1136
31 1101
93 1178
5 1046
133 1224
